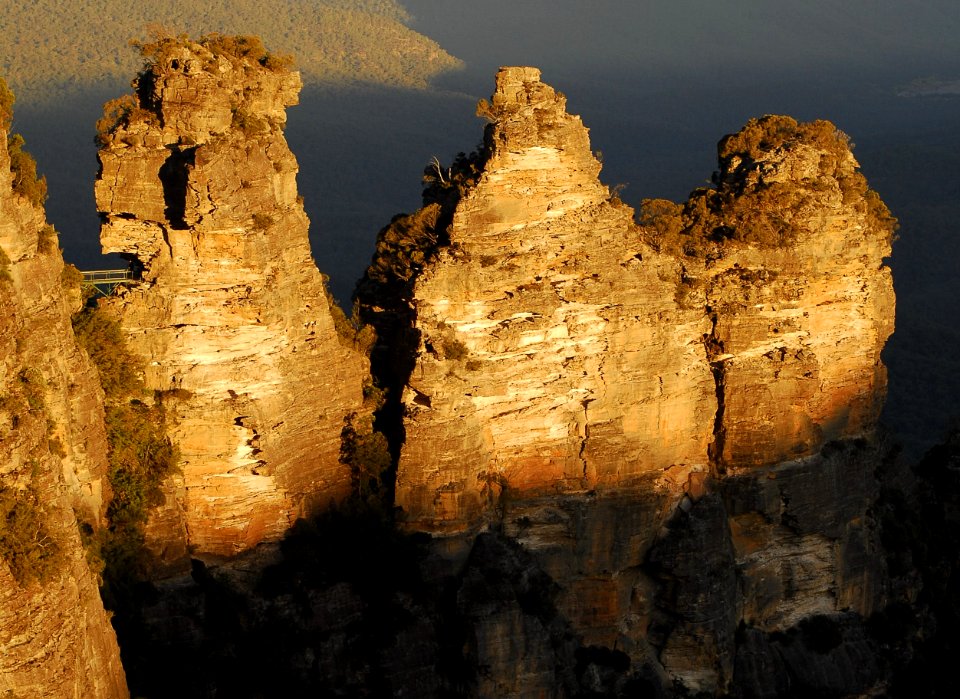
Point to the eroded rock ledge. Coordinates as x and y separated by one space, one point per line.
229 314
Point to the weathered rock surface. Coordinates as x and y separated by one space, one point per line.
668 580
55 638
563 348
553 353
600 595
667 417
198 188
793 246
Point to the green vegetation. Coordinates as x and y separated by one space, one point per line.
4 266
101 336
768 133
140 455
454 349
451 183
240 49
334 41
410 240
26 182
26 544
32 387
6 106
47 241
249 124
71 277
384 295
367 454
246 47
352 331
663 218
744 207
262 222
403 247
117 113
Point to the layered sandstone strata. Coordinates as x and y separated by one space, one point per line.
792 245
572 379
561 347
645 409
554 355
55 638
229 313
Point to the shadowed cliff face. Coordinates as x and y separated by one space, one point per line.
198 188
55 638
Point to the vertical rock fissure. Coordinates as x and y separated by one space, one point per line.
174 175
385 294
584 436
713 346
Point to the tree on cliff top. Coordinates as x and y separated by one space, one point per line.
26 182
240 48
745 207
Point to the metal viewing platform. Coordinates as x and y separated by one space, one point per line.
104 281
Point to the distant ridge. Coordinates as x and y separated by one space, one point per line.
49 47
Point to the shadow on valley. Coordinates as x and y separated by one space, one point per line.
350 605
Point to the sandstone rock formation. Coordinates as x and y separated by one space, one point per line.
564 348
55 638
229 313
553 353
668 416
792 245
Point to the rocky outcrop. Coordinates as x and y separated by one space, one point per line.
674 419
55 638
553 353
229 312
563 348
789 253
750 588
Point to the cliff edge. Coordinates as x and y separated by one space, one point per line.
553 354
55 638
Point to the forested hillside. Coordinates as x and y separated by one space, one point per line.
48 46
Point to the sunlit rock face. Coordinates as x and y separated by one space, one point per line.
55 638
673 420
554 356
795 283
562 347
198 188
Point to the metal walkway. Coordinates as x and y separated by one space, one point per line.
104 281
